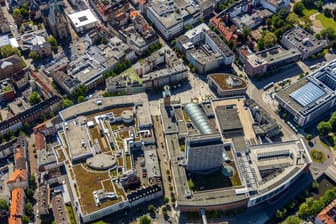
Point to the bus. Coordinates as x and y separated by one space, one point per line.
269 85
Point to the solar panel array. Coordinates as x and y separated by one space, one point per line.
307 94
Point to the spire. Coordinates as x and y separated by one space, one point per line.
56 7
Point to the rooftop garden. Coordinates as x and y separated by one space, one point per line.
91 182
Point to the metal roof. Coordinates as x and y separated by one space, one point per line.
307 94
198 118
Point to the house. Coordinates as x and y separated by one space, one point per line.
17 206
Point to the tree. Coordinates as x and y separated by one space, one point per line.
328 33
298 8
81 99
33 55
25 219
66 103
3 205
166 200
323 128
246 32
319 5
283 12
8 50
151 208
292 18
145 220
53 42
191 184
34 98
261 44
332 121
292 220
30 193
164 210
309 137
269 39
29 209
327 12
80 90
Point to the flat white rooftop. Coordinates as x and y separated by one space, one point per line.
82 18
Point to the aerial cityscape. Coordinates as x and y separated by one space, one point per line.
167 111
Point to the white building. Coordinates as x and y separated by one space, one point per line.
83 20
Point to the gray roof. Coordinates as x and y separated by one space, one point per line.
228 118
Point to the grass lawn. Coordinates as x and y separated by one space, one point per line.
309 12
128 162
87 185
317 155
133 75
71 214
326 22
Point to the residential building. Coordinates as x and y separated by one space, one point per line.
112 11
204 152
273 5
82 21
32 114
17 206
139 35
166 76
258 63
225 85
7 92
204 49
306 43
20 79
310 97
170 17
19 178
10 65
173 72
327 215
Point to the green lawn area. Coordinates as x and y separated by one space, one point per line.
133 75
317 155
71 214
326 22
309 12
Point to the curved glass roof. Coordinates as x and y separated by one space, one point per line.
198 118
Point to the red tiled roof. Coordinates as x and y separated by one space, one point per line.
325 215
20 175
39 141
17 206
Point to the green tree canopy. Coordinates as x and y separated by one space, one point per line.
270 39
292 18
298 8
8 50
66 103
81 99
3 205
34 98
33 55
145 220
323 127
151 208
80 90
328 33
